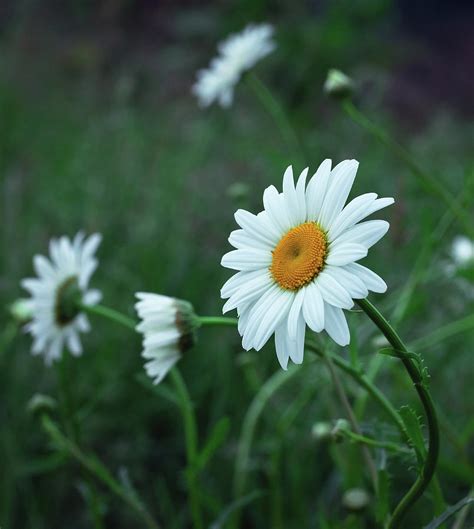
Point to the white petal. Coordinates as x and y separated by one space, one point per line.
297 345
291 199
247 259
82 323
236 281
350 282
366 233
313 308
73 343
343 253
43 267
294 314
257 227
340 184
240 239
301 195
248 292
276 209
352 213
370 279
282 350
332 291
336 325
316 190
92 297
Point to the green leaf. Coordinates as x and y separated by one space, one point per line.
413 426
382 505
217 436
235 506
449 512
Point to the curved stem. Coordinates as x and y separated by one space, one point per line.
429 467
371 389
275 109
217 320
387 445
431 182
190 433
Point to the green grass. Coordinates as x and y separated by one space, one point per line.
154 175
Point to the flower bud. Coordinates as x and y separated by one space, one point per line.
321 431
338 85
41 403
21 310
341 426
356 499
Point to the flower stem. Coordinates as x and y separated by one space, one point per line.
275 109
429 466
432 183
190 432
217 320
387 445
110 314
95 467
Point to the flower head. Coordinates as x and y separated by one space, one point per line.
57 293
237 54
296 260
168 326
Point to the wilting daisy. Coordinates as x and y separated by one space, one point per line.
168 327
237 54
297 260
57 293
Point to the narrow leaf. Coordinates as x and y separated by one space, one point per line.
450 511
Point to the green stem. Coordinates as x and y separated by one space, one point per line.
190 432
217 320
429 466
432 183
387 445
275 109
95 467
371 389
110 314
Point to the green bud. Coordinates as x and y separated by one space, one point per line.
338 85
356 499
21 310
321 431
338 432
41 403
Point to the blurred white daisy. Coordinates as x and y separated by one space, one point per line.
296 260
56 295
237 54
168 327
462 251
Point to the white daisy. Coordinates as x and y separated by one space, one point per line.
237 54
462 251
296 260
168 327
57 292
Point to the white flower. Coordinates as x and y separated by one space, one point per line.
237 54
296 260
56 293
167 326
462 251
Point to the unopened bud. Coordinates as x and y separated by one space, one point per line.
338 432
41 403
338 85
356 499
21 310
321 431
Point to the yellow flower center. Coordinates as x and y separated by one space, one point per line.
299 256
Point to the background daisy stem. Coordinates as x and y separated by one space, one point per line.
432 183
95 467
190 432
352 419
429 466
276 111
187 409
217 320
111 314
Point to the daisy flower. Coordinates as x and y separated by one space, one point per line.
168 327
237 54
57 292
297 260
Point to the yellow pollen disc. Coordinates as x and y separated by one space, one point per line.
299 256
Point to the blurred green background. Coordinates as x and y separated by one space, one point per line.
99 131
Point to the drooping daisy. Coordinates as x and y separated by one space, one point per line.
297 260
56 295
168 327
237 54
